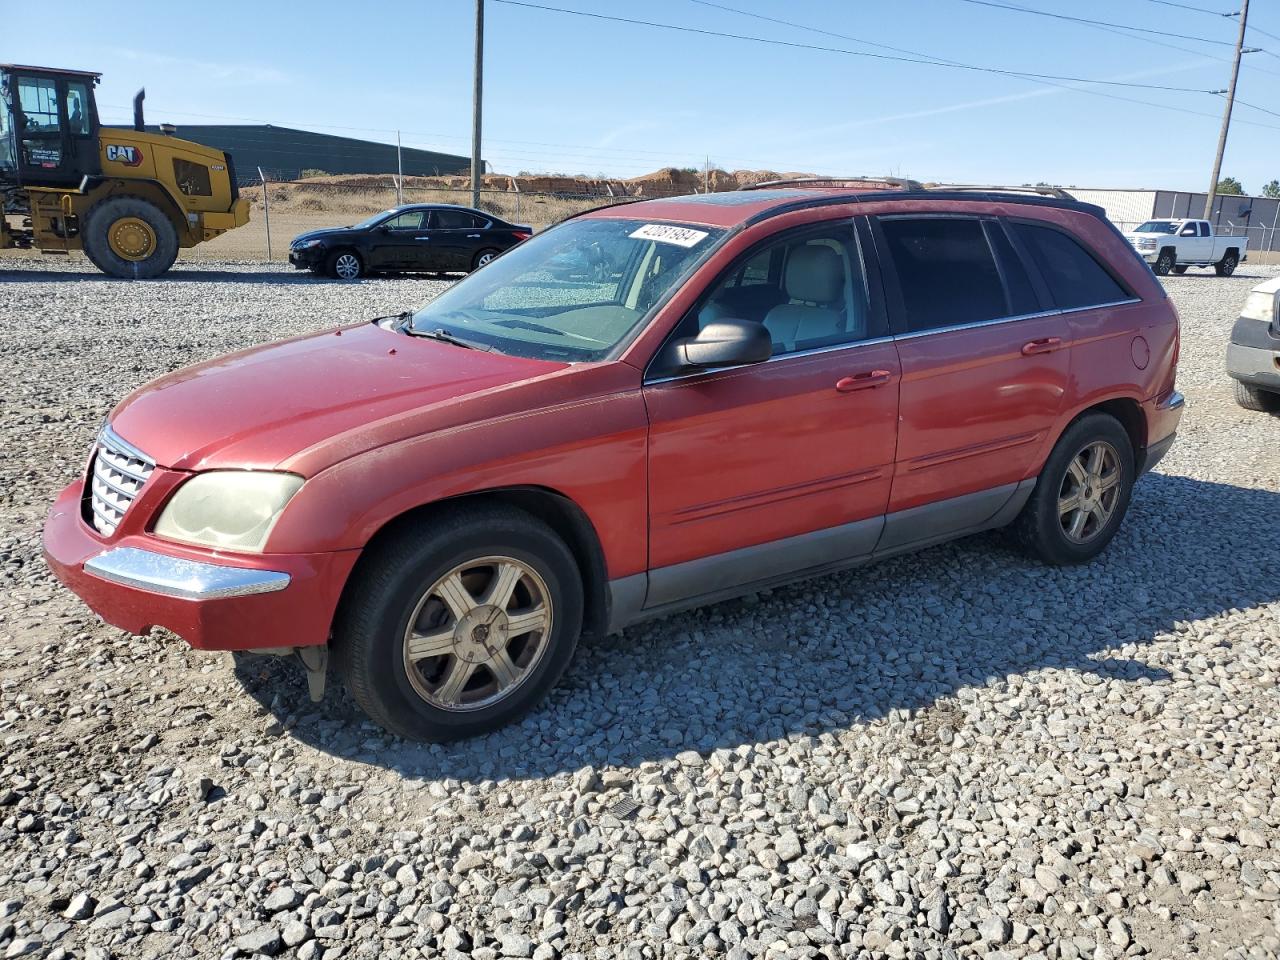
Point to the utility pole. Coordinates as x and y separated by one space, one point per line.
399 172
476 97
1226 113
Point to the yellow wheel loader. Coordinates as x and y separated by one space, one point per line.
128 198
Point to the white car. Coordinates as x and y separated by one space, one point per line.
1253 356
1174 245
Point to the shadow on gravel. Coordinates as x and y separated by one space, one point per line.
208 276
835 652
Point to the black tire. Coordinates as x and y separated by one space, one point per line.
483 257
1164 263
1227 265
1257 399
344 265
95 240
389 587
1039 527
1180 269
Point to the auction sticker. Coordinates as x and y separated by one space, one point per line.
665 233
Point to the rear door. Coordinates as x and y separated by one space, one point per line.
759 471
985 367
457 236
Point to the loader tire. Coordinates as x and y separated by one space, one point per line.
129 238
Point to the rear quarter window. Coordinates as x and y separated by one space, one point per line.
1074 276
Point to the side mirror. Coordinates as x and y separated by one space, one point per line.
725 343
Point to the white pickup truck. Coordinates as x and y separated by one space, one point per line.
1174 245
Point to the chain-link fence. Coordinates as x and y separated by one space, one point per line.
289 208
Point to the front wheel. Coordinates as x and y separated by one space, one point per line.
1082 494
1227 265
1164 263
130 238
345 265
483 257
460 624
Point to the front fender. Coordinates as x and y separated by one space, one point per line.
590 451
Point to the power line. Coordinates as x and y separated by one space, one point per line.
1187 6
852 53
1102 23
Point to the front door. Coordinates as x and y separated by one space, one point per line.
1194 242
400 242
763 471
985 365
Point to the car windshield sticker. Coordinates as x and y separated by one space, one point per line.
665 233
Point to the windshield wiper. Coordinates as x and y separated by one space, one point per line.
444 336
400 318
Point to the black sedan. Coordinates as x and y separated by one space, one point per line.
433 238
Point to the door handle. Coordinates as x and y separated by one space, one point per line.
864 381
473 236
1045 345
422 238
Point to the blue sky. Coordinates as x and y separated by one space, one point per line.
578 95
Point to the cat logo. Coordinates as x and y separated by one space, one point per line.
129 156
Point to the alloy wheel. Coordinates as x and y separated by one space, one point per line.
483 259
478 633
1090 491
347 266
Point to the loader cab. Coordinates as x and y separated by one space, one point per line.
48 126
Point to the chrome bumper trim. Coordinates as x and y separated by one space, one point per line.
185 579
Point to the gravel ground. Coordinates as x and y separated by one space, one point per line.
954 754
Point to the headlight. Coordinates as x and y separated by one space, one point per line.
1148 244
231 509
305 244
1260 306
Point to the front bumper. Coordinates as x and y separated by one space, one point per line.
312 258
1255 365
213 601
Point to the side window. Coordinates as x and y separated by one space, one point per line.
409 220
1074 277
817 298
946 270
1022 295
1204 229
78 108
452 220
39 101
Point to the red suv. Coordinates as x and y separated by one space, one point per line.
647 407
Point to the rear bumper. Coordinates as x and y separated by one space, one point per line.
212 601
1257 366
1163 416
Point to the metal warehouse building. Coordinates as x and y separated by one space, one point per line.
1254 217
283 153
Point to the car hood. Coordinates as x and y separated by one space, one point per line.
259 408
322 234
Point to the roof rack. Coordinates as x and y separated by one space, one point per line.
843 183
1044 191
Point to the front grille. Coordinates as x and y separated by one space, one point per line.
117 474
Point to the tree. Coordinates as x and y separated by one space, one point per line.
1231 187
1272 190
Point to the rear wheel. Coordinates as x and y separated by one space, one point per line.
130 238
1180 269
460 624
1254 398
1082 494
1227 265
1164 263
483 257
345 265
